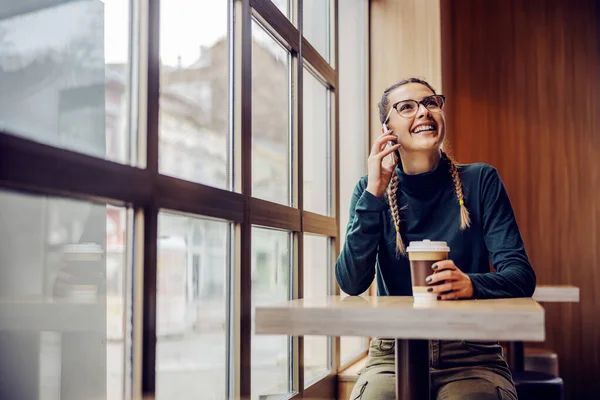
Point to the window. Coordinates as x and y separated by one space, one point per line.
284 6
64 289
191 328
317 145
270 284
317 278
67 84
157 186
270 118
316 25
194 91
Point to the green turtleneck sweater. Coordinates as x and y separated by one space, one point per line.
432 212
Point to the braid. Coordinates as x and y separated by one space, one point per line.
465 219
392 189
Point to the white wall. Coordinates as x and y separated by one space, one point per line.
353 101
353 73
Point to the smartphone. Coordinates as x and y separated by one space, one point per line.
390 143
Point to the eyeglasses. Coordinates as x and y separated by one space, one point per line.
409 108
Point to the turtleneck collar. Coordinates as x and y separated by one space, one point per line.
426 182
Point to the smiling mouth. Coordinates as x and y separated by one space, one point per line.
425 128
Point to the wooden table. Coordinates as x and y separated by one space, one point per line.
413 325
543 293
556 293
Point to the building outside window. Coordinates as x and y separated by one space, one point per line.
72 89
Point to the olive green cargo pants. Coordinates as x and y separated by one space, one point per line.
465 370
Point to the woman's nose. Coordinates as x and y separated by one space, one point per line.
422 111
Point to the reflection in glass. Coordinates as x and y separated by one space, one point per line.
316 282
191 308
317 151
64 74
270 283
315 20
194 91
62 290
270 118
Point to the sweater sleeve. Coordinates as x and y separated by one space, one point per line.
355 266
514 276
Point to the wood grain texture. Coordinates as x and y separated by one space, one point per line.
323 388
556 294
395 316
39 168
522 80
184 196
405 42
268 214
316 61
319 224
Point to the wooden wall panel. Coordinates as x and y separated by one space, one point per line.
405 42
522 78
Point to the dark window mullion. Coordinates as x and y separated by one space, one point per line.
151 210
277 23
153 86
149 301
242 128
298 135
335 172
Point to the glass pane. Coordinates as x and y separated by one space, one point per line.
194 91
316 281
270 284
270 118
64 71
191 308
352 346
62 290
315 20
317 151
118 304
284 6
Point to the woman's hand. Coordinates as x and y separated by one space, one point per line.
457 284
379 174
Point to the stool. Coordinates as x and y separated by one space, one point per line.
541 360
537 359
538 385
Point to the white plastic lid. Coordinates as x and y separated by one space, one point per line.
427 245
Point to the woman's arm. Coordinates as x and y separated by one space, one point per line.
355 266
515 276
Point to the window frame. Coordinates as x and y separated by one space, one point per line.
32 167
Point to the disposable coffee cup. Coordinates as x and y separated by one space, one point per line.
422 256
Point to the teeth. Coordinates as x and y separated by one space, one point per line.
425 128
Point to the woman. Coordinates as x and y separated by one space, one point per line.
423 194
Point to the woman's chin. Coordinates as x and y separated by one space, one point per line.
429 143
